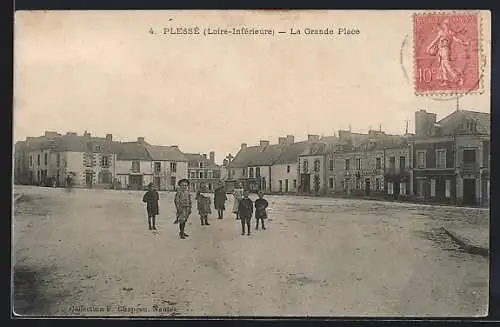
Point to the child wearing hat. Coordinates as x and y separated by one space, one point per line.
261 205
151 198
183 205
245 211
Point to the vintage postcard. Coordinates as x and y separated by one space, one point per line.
251 163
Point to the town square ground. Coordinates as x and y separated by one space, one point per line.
90 253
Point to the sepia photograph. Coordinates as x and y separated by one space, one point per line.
253 163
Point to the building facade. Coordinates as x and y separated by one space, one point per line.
169 165
203 173
451 158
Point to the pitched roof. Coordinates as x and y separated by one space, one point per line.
456 122
257 156
131 151
165 153
195 158
384 142
70 143
290 153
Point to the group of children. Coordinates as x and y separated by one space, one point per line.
243 207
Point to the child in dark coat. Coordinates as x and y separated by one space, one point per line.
151 199
260 210
204 207
245 211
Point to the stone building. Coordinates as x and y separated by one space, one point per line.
204 174
450 158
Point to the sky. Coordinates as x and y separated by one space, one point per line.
102 72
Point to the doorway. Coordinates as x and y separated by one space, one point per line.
469 194
88 178
305 182
367 187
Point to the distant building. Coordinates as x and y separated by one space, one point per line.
203 173
169 165
284 171
450 158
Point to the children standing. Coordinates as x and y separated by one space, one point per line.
151 199
245 211
204 207
237 194
183 205
220 198
261 205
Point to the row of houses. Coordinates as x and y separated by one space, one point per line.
446 161
103 162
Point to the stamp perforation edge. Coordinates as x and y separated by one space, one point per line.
481 56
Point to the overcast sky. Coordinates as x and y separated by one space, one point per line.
102 72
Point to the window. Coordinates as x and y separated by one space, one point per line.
377 184
257 172
250 172
87 159
200 165
45 159
172 181
288 168
281 186
305 166
98 148
193 174
421 159
392 163
402 163
58 160
390 188
402 188
358 163
173 167
447 188
209 174
378 164
136 166
216 174
200 174
331 183
157 167
243 172
31 160
286 185
105 161
421 187
294 183
347 164
331 164
433 187
469 156
233 172
209 186
441 158
38 160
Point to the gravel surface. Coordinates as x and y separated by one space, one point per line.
90 253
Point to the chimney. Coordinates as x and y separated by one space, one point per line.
212 157
51 134
290 139
281 140
204 156
109 137
243 146
263 143
140 139
86 134
312 137
424 123
71 134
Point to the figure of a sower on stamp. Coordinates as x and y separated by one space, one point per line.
441 48
183 205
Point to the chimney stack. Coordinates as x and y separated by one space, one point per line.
425 123
212 157
140 139
290 139
281 140
243 146
86 134
109 137
312 137
263 143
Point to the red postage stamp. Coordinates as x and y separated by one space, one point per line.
446 53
